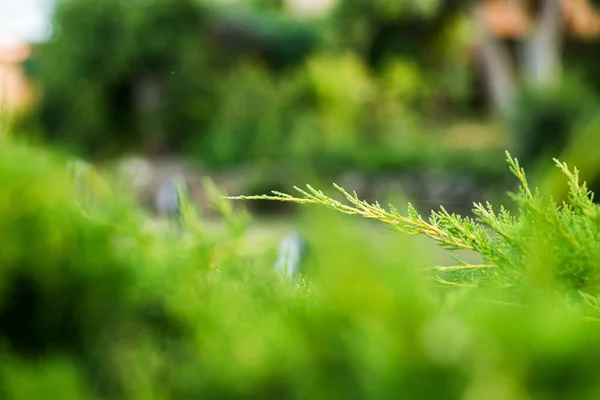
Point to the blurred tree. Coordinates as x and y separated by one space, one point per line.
121 75
431 34
539 29
380 28
536 25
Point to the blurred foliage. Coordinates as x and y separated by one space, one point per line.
543 120
558 120
577 58
94 304
365 87
103 52
231 84
434 35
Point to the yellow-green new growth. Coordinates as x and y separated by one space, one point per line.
507 243
450 230
413 224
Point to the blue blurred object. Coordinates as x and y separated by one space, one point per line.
291 251
167 200
167 204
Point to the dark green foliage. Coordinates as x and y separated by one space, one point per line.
47 278
383 28
100 50
64 280
424 32
233 84
543 120
104 55
275 38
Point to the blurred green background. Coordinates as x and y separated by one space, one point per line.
399 100
419 95
283 91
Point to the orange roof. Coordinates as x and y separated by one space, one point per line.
510 18
506 19
581 18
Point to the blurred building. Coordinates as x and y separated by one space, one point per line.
513 19
522 40
16 92
23 23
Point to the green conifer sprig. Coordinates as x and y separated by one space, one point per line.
541 240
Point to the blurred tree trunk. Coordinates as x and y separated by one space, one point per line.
541 50
500 77
540 59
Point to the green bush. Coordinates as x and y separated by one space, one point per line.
65 281
94 305
254 122
120 76
433 35
85 298
542 246
330 114
236 84
543 120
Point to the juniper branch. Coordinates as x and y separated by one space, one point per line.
580 196
519 172
414 224
454 284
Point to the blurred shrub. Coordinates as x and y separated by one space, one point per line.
92 72
240 83
342 88
122 75
578 150
88 303
93 305
254 120
433 34
65 280
543 120
331 113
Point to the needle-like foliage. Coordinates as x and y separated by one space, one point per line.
554 244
